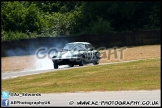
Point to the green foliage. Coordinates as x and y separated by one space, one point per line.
12 15
101 26
71 18
10 36
31 18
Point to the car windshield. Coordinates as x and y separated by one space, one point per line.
68 47
79 47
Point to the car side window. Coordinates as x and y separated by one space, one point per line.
90 46
83 46
86 45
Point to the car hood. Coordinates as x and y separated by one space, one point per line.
67 54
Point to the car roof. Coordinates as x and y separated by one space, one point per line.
78 43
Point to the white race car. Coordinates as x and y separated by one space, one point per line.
76 53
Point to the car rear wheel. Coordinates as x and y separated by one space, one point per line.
55 65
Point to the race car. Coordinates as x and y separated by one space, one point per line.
76 53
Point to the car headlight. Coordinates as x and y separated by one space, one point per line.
98 55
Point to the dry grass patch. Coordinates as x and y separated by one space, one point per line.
134 53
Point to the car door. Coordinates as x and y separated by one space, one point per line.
87 52
90 52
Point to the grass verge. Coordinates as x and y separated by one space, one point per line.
137 75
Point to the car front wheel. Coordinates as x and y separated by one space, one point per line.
71 65
96 61
55 65
81 63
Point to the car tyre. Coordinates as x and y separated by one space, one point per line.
55 65
81 63
96 62
71 65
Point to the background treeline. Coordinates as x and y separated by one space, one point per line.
30 19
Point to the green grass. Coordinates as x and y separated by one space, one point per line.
137 75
